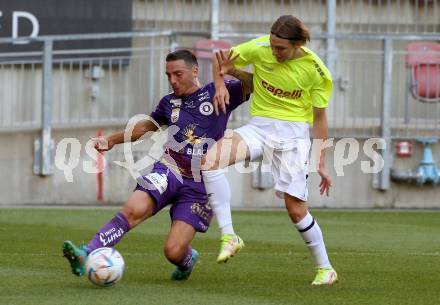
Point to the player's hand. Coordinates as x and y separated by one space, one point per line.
221 98
102 144
226 64
326 183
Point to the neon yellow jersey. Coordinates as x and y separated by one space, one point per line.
286 91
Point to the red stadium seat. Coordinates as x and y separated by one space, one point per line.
204 49
423 60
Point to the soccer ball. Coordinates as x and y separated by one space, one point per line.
105 266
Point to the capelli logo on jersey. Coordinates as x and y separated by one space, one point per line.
295 94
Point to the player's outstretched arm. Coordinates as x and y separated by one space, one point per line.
106 143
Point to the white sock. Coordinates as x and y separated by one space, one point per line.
219 193
312 236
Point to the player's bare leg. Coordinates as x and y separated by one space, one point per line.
178 250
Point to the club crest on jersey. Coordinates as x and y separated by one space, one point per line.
206 108
175 115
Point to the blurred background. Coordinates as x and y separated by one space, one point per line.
77 69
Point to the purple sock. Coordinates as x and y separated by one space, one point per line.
186 261
110 234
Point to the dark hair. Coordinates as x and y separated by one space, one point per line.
291 28
185 55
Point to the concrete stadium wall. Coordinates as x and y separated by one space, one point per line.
19 186
352 190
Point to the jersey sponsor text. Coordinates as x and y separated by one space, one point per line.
295 94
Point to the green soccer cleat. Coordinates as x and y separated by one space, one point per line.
182 275
230 245
325 276
76 257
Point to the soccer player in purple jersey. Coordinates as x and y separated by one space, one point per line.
189 109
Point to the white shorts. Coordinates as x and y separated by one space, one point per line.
285 149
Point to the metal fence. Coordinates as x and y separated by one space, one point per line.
88 87
359 97
254 16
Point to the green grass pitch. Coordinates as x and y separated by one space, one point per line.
382 257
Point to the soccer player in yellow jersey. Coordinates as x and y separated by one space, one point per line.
291 90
